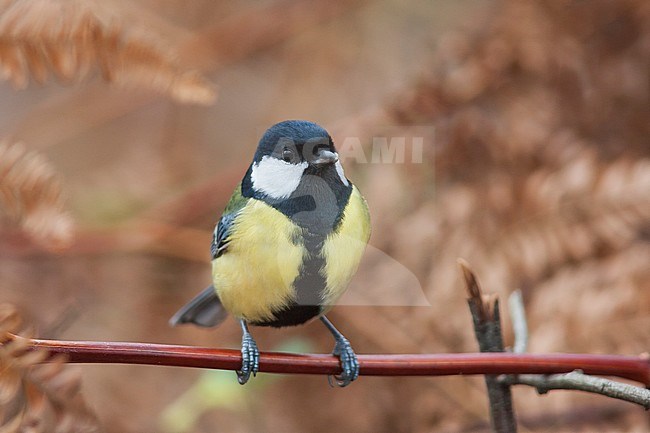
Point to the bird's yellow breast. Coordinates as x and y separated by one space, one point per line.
254 277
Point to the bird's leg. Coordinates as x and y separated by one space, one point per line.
250 356
343 349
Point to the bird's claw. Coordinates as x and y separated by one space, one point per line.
250 357
349 364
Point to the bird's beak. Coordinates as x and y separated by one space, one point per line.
324 157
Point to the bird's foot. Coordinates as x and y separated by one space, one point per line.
349 364
250 357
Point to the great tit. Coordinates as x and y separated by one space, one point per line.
287 244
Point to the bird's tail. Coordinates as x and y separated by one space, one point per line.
204 310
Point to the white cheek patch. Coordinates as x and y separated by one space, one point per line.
276 178
339 170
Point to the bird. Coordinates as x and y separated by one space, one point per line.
287 244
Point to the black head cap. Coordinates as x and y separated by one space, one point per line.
294 141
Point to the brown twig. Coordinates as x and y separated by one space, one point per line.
635 368
487 327
575 380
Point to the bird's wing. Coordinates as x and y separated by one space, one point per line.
220 238
204 310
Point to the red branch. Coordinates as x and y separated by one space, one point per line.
635 368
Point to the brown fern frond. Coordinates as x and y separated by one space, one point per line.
72 38
37 397
31 195
585 208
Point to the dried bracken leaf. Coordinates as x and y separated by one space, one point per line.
67 37
31 195
36 397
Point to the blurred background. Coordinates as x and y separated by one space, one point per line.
537 172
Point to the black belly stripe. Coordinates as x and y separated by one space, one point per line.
309 286
310 283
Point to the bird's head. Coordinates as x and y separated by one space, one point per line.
291 151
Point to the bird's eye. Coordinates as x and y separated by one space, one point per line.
287 154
